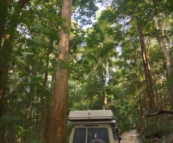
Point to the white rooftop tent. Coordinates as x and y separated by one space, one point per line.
99 116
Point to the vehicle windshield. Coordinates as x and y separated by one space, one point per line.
94 135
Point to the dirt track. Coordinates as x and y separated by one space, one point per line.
133 137
130 137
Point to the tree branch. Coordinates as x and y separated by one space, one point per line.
22 3
159 113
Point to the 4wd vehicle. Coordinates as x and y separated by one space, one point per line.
93 126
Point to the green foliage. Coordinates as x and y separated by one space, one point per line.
112 55
33 57
87 10
105 68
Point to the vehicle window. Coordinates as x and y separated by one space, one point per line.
79 135
98 135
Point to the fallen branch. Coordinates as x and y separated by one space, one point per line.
159 113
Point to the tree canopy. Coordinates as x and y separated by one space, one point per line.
122 62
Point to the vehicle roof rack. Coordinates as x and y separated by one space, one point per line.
79 122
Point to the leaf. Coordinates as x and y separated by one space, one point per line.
27 53
38 26
36 79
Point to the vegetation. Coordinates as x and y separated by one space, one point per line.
123 62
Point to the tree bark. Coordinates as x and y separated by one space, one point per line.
148 77
57 123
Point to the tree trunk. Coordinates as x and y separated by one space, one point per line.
148 77
3 66
57 123
165 45
140 92
3 11
43 110
6 47
5 54
42 99
104 76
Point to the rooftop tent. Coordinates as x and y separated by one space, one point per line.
91 115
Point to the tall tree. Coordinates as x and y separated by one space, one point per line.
162 17
147 71
136 11
8 25
57 123
31 68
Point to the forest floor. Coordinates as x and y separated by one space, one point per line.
134 137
